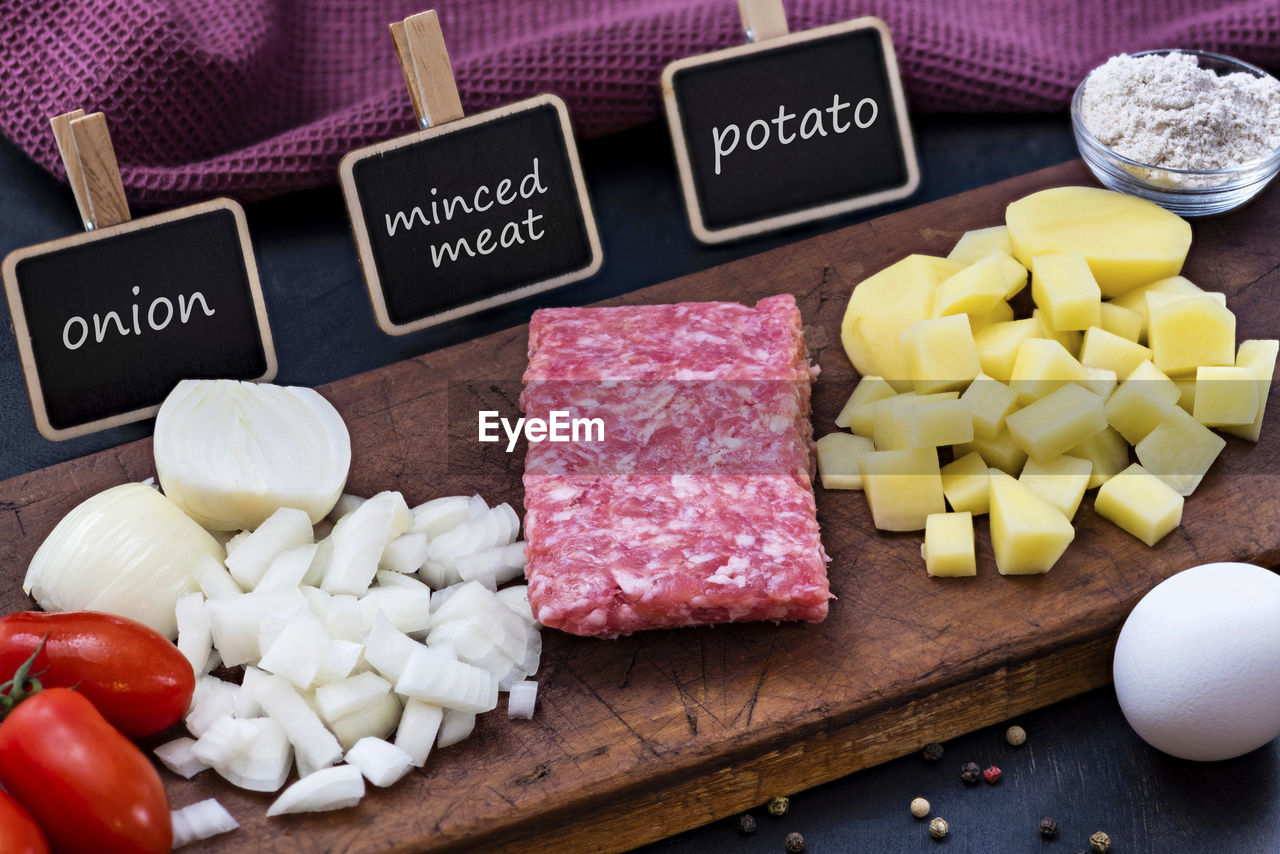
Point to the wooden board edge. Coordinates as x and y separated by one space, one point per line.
364 247
26 355
679 140
667 806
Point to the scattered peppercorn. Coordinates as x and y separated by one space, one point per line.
919 807
992 775
746 823
1048 827
938 828
1100 842
970 773
1015 735
932 752
778 805
794 843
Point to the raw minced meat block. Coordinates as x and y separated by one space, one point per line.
697 506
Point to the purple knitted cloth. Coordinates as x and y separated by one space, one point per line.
252 98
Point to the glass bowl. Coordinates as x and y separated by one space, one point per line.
1186 192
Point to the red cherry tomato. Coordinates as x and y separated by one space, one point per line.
88 787
132 674
18 831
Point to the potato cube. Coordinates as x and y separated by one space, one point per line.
990 400
857 412
1159 299
1001 313
979 287
1101 382
934 423
1258 356
1102 349
948 545
1180 450
1128 241
1107 453
1043 366
1061 482
1125 322
1136 299
974 245
1057 422
892 428
1225 396
1191 332
1065 290
1140 402
1140 503
1028 534
1001 452
1069 339
885 304
940 354
838 455
1187 391
998 345
902 487
966 484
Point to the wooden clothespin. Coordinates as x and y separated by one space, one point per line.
85 145
428 74
763 19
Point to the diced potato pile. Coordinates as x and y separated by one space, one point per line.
1028 414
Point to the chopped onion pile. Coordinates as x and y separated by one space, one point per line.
348 651
230 453
201 820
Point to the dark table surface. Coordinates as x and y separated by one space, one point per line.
1081 763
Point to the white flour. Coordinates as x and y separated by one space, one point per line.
1164 110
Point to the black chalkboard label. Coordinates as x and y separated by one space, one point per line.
471 214
108 321
790 129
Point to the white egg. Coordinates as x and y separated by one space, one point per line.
1197 664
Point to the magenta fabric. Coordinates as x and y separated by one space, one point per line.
252 98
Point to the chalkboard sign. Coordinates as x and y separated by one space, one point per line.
470 214
790 129
108 321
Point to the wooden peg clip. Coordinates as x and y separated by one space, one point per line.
428 74
763 19
85 145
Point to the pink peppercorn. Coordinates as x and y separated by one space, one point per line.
992 775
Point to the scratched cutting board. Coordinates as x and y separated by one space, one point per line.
639 738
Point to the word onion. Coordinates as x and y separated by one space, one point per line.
128 551
231 453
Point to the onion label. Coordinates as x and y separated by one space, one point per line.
792 128
109 321
471 212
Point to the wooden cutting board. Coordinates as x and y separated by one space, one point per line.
641 737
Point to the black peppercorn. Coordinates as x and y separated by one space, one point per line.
1048 827
970 773
795 843
932 752
1100 842
778 805
746 823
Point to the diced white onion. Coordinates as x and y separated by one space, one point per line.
436 678
408 610
341 658
212 577
312 742
128 550
339 699
419 726
288 568
381 762
176 755
231 453
387 648
212 699
359 539
298 651
405 553
202 820
224 738
516 597
237 621
440 514
522 699
327 789
345 504
455 726
195 632
263 765
284 529
377 720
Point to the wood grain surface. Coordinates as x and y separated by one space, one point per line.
641 737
